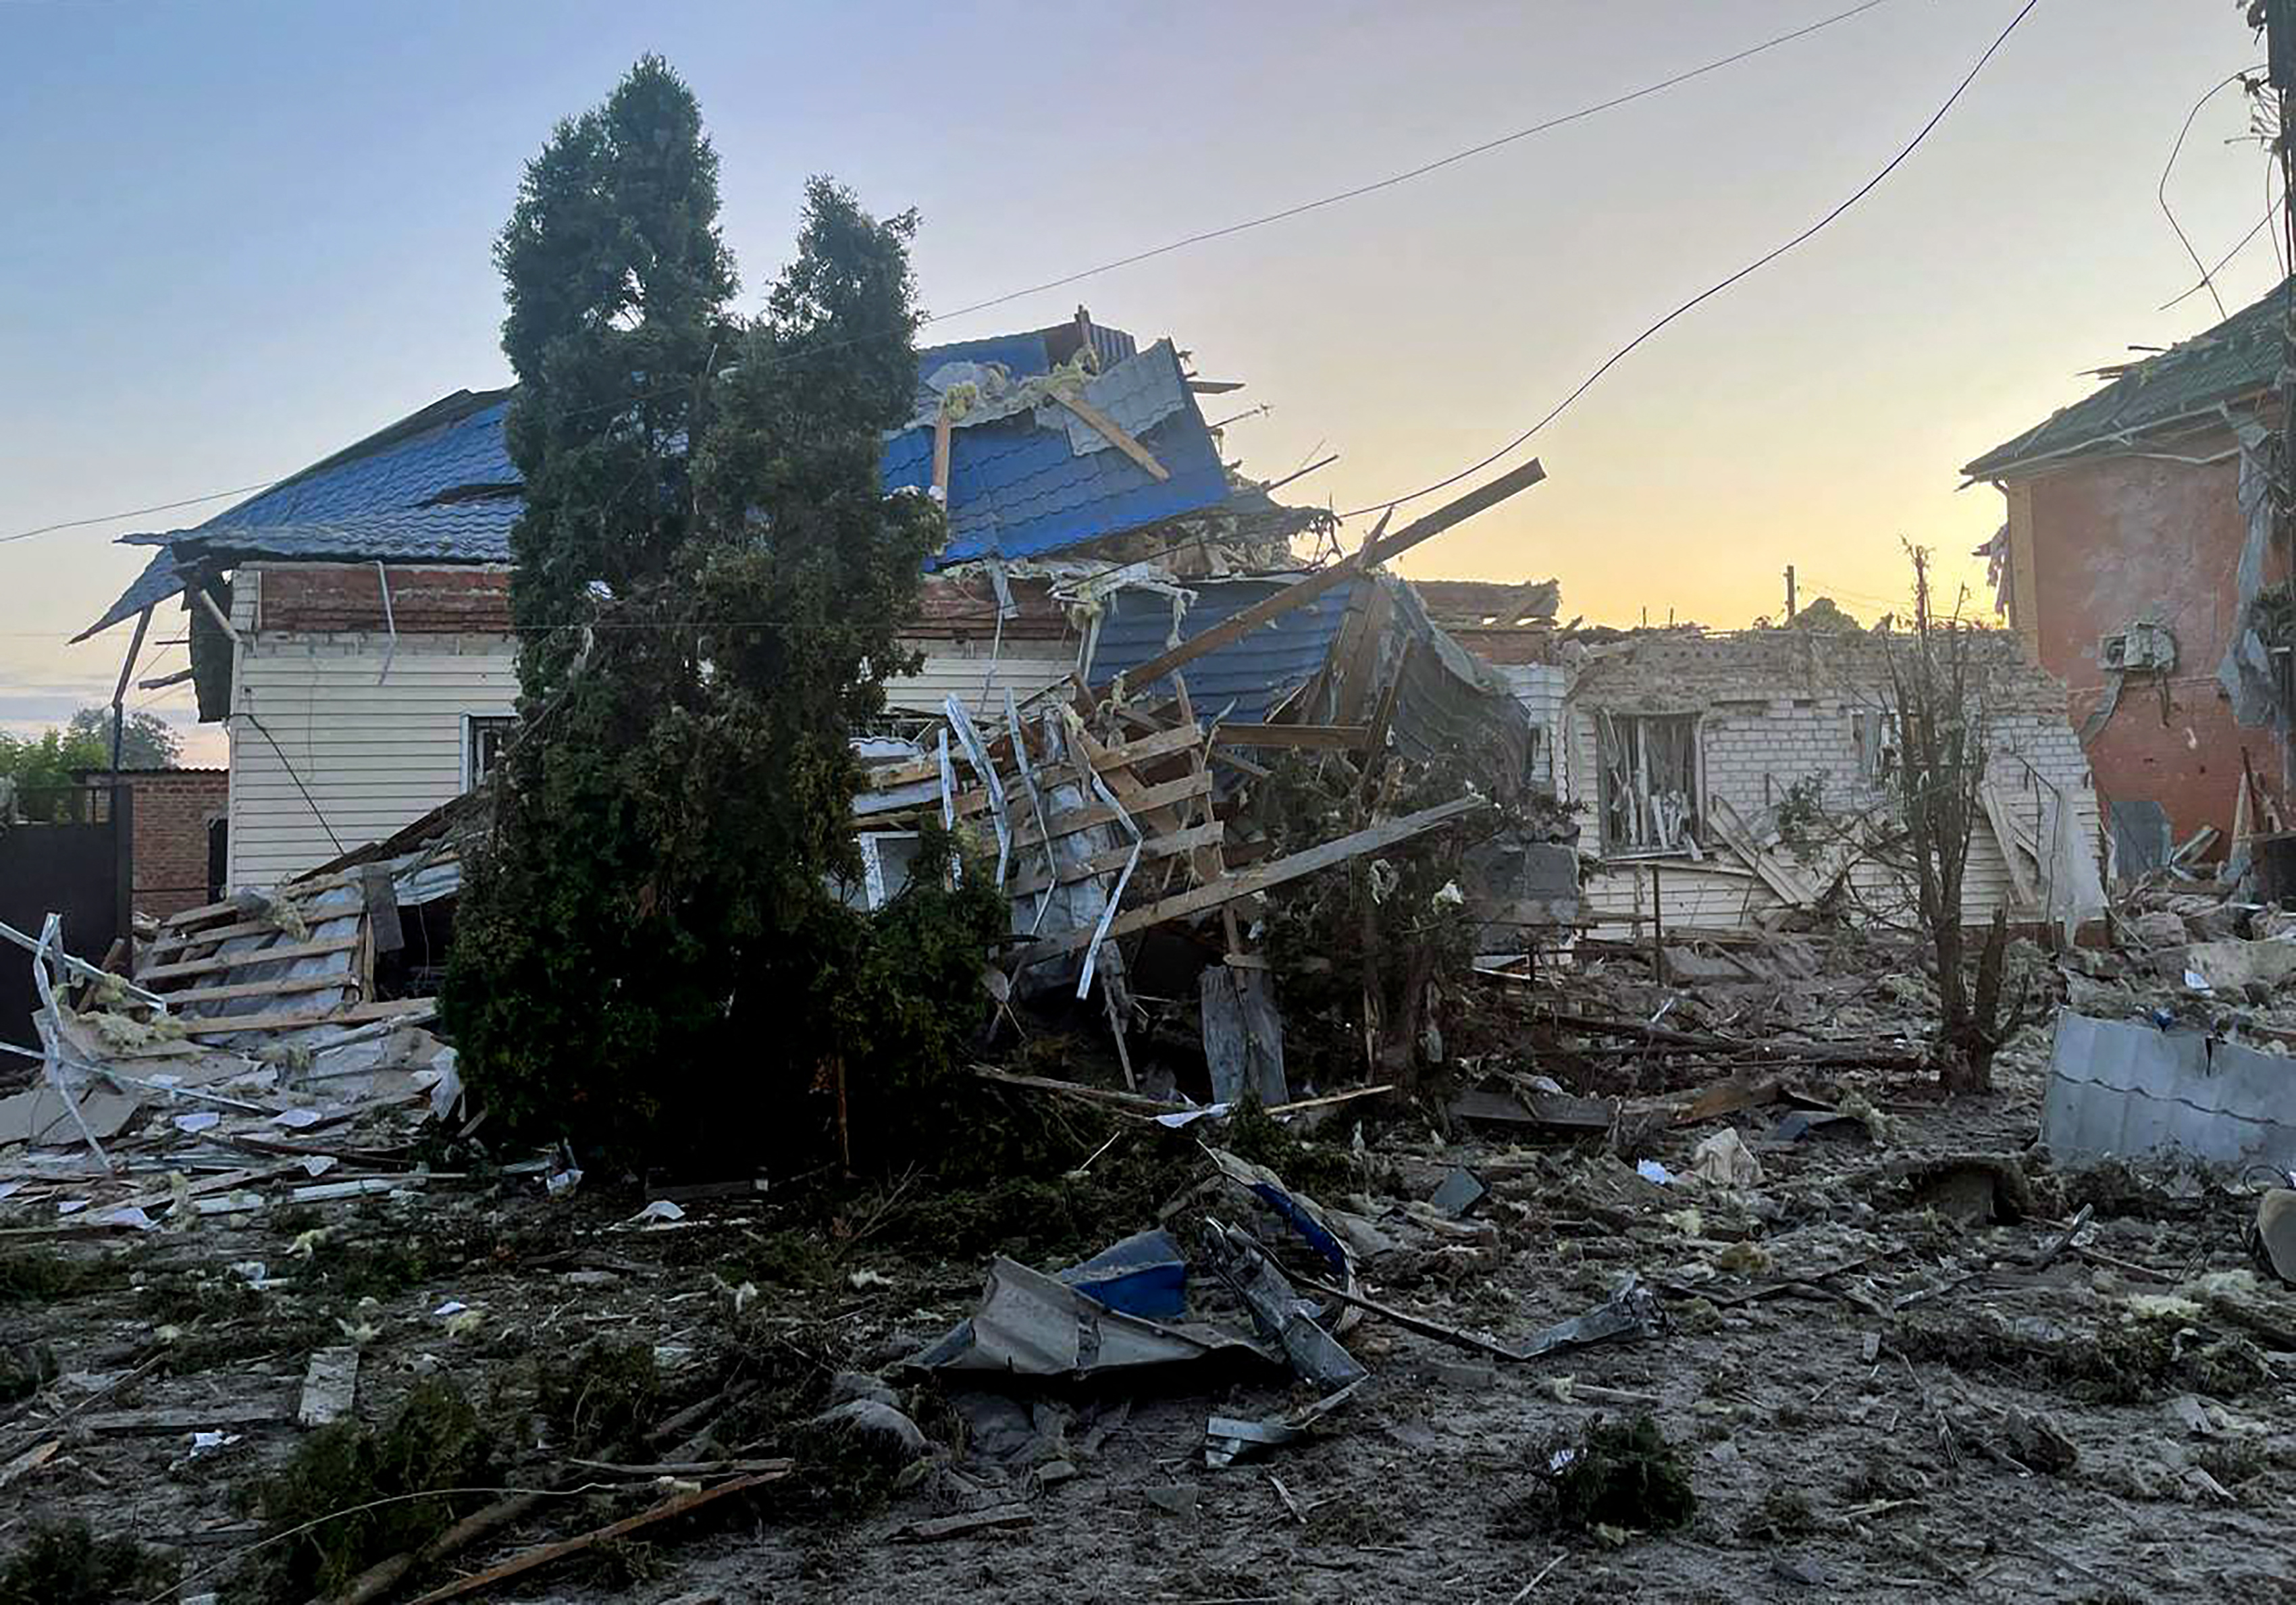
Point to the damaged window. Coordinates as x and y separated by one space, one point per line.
1875 730
484 737
1650 781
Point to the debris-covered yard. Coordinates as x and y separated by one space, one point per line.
1264 1084
1894 1349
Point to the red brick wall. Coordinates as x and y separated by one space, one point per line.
349 596
2115 538
173 809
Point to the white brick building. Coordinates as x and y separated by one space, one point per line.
1676 747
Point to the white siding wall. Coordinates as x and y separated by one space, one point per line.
373 751
1541 688
376 753
980 681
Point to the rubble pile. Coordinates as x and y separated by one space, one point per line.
1597 1255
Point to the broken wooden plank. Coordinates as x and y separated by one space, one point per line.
941 457
205 1418
258 956
1136 1102
1382 720
1534 1108
1116 435
1305 590
2013 849
31 1460
534 1560
341 979
1355 669
210 937
1290 736
225 1025
1277 873
1109 862
382 922
330 1387
1151 798
957 1526
1792 888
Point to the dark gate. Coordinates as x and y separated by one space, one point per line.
82 871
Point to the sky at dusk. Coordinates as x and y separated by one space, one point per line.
241 235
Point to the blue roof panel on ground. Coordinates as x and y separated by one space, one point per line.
1240 682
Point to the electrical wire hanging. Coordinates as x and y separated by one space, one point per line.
1711 290
1183 243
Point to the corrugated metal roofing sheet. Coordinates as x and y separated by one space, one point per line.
1240 682
2237 357
404 474
1016 489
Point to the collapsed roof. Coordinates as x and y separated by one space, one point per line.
1058 437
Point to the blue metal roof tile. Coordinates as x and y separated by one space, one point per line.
1240 682
405 473
1016 489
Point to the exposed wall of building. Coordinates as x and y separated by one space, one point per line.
172 812
340 736
1775 710
312 598
2112 540
1541 688
981 676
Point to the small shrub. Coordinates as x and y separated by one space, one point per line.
348 1484
1782 1514
1625 1477
50 1276
65 1563
607 1396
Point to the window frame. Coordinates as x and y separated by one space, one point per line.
1613 729
475 727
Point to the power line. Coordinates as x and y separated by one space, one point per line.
1420 171
1716 289
2208 276
2161 190
1199 238
136 513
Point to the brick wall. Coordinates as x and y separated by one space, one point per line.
1541 688
173 809
2116 539
317 598
1775 711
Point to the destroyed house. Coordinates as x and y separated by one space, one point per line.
1726 781
2137 565
350 624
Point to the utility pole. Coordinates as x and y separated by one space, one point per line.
1790 593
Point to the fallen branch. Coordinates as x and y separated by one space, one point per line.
534 1560
685 1468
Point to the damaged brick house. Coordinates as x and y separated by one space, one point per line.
2137 565
1723 779
351 625
1729 777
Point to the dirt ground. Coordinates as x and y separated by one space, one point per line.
1932 1411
